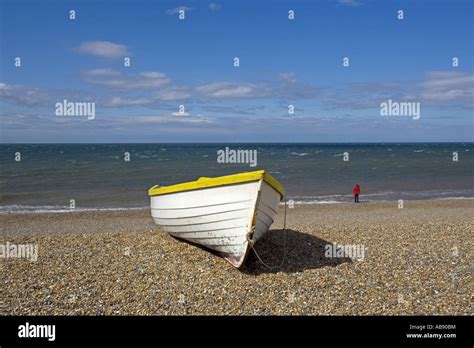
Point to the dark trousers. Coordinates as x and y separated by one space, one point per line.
356 198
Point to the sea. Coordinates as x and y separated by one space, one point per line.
74 177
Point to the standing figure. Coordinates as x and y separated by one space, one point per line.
356 193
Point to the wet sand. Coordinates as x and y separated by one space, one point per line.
417 260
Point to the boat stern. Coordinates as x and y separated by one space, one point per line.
236 260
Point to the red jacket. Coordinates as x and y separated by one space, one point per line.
356 190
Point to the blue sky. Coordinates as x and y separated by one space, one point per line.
190 62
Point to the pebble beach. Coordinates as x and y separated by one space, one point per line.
417 260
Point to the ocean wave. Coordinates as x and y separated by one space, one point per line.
7 209
448 198
311 202
386 196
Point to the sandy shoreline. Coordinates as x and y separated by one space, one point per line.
417 260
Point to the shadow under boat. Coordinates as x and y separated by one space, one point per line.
302 251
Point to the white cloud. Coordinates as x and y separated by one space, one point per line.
235 109
232 90
116 80
448 79
152 75
288 77
213 6
103 72
352 3
174 93
23 95
120 101
176 10
164 119
448 86
103 49
438 88
180 114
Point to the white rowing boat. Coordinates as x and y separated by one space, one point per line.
224 214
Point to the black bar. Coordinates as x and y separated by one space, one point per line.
242 330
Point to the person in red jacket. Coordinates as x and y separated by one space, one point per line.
356 193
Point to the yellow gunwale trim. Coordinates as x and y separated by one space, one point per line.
205 182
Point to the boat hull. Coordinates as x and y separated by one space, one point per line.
225 219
